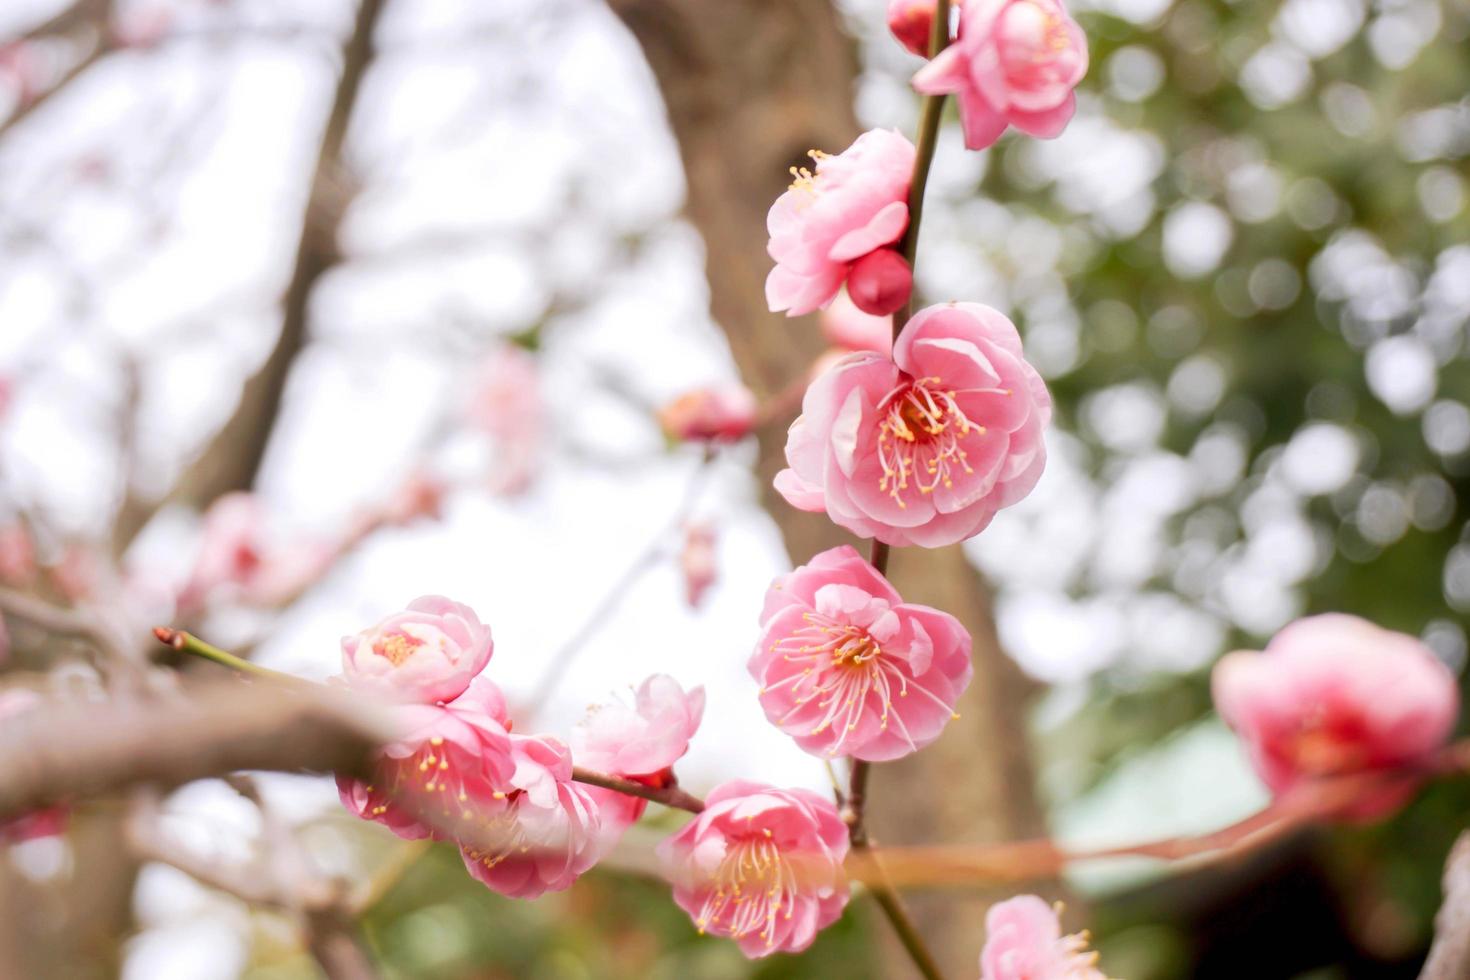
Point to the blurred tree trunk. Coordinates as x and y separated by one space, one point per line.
750 86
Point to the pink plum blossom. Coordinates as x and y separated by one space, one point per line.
848 327
505 403
698 563
6 397
645 739
242 556
717 413
1024 941
760 865
640 743
853 205
537 831
48 822
1332 695
1015 63
911 21
925 448
446 756
846 667
429 652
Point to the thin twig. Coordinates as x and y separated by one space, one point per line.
854 813
670 796
641 565
189 643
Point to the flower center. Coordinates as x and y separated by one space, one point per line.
804 179
397 648
844 667
919 434
753 885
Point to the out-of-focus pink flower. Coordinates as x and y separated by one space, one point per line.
14 702
846 667
1015 63
78 573
242 557
911 21
718 413
698 562
6 397
21 69
536 832
143 28
760 865
419 496
231 548
446 757
854 204
926 448
640 743
17 555
429 652
851 329
1024 941
506 404
1332 695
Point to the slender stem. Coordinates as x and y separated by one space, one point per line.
929 115
189 643
888 901
670 796
642 564
857 795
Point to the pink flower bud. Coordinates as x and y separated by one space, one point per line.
698 562
846 667
852 204
912 21
1333 695
1024 941
1015 63
925 448
880 282
506 404
719 413
760 865
430 652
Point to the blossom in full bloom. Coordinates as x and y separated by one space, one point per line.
717 413
1335 694
835 217
846 667
446 756
48 822
641 743
429 652
760 865
1024 941
1015 63
537 831
925 448
847 327
911 21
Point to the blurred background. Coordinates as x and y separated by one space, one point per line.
419 273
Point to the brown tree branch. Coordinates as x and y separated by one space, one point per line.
234 456
74 751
